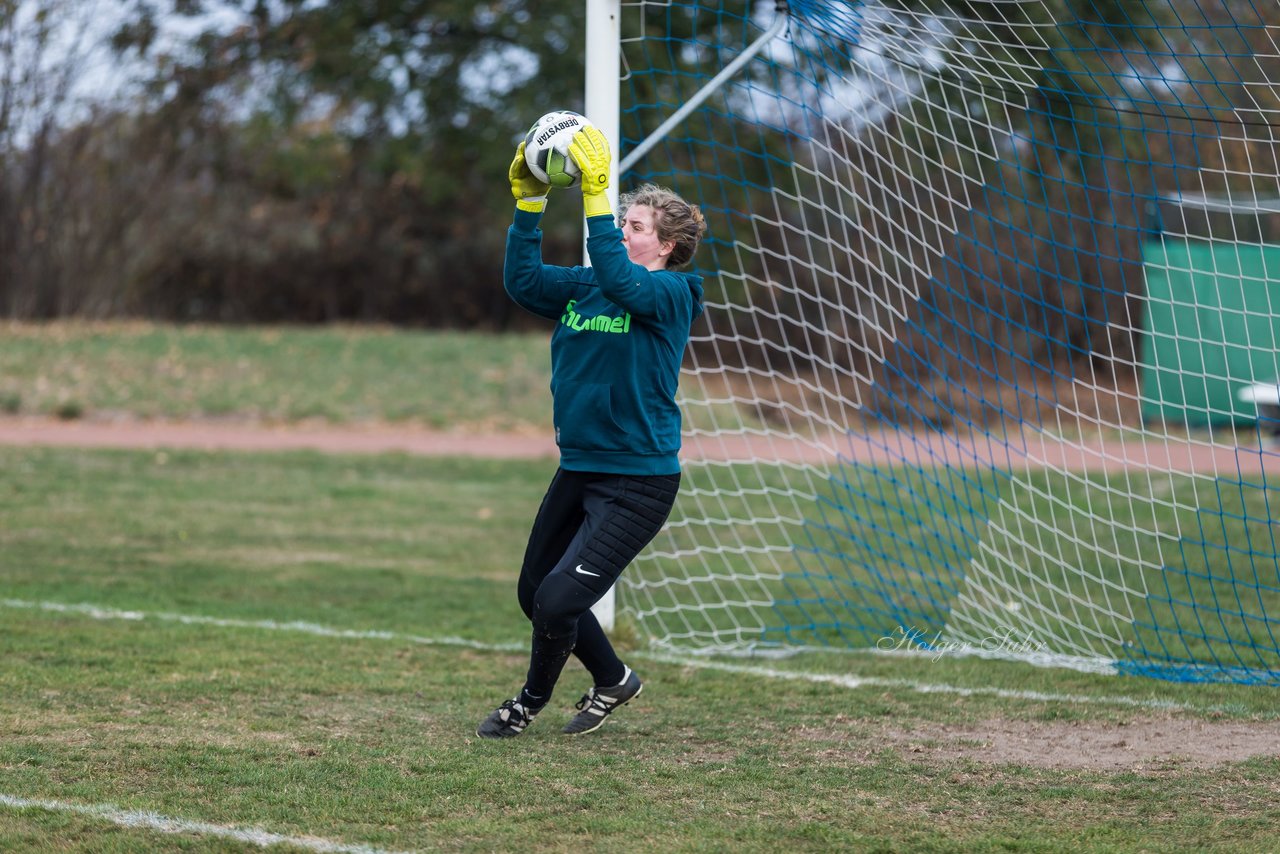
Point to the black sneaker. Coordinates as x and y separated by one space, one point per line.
507 721
598 703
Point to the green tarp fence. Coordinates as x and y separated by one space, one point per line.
1212 327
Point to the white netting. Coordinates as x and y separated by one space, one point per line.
984 289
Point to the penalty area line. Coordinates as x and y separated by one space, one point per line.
144 820
851 681
98 612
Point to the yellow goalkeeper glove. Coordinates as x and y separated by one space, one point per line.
590 150
530 193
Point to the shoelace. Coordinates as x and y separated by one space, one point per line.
516 712
594 700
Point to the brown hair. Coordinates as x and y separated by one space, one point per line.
675 220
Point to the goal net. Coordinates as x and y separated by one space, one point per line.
993 299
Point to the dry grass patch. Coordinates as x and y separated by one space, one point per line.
1091 745
1131 744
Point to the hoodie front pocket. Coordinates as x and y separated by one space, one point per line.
584 418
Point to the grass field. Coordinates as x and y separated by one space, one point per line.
337 375
215 651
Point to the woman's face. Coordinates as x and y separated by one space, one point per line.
641 239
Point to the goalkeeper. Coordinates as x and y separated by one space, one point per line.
621 329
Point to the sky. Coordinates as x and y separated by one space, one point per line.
77 70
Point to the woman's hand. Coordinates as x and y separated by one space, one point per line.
530 193
590 150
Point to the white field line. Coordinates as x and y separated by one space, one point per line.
848 681
839 679
99 613
182 827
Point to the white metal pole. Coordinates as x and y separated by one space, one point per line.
660 133
603 104
604 64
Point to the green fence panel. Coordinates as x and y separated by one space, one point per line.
1212 325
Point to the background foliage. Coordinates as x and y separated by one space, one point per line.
277 161
312 162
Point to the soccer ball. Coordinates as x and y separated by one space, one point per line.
546 148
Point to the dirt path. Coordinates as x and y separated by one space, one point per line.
1016 451
251 437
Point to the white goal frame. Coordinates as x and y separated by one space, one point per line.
603 105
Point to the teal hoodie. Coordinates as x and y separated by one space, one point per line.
616 350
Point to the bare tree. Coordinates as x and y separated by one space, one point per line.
64 202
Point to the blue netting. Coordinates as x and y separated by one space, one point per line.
960 359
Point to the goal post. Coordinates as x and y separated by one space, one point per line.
601 99
945 397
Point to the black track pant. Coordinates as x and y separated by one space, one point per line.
589 527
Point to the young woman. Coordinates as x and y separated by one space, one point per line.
621 329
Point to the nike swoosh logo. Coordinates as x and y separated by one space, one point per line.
579 568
